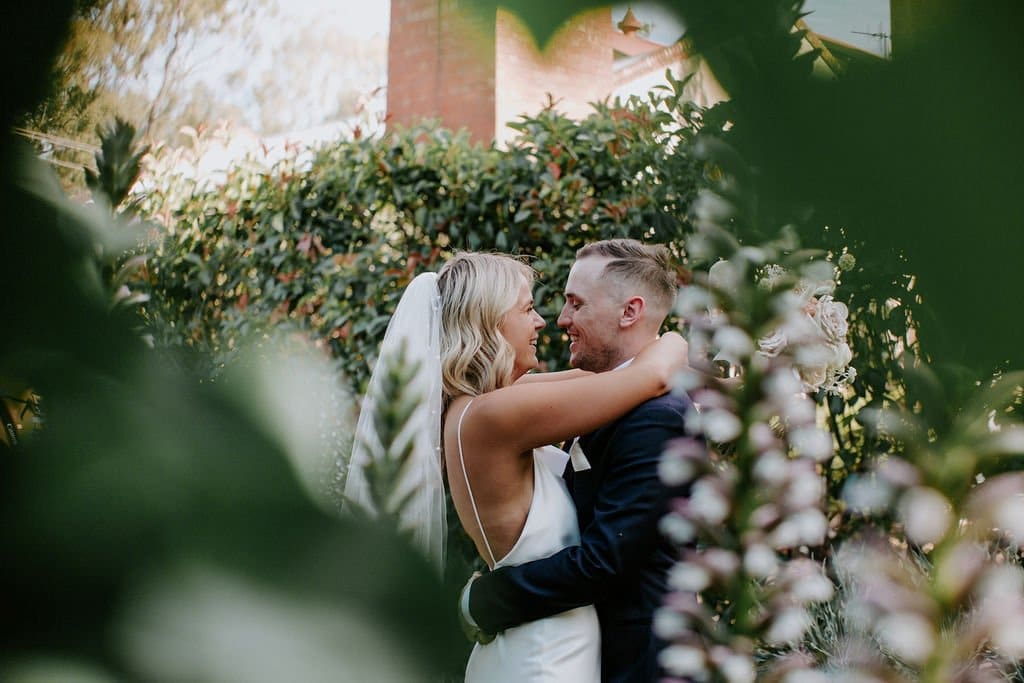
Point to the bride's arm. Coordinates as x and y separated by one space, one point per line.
561 375
524 416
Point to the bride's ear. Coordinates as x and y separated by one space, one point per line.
633 311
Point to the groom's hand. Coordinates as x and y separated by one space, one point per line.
469 626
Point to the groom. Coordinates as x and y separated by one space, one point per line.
616 298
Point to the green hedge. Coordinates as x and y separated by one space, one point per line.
329 248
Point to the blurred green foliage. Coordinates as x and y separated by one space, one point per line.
118 163
157 527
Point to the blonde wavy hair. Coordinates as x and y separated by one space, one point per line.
477 290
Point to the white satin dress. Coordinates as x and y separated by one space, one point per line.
565 647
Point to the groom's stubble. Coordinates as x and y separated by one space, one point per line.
591 316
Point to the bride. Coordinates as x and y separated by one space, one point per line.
473 331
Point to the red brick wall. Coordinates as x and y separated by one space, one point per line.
575 67
481 72
441 64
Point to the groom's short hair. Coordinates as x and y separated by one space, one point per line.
647 266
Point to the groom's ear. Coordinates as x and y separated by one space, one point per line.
633 311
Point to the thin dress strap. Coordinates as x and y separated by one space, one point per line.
469 490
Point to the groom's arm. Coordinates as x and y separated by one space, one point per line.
622 535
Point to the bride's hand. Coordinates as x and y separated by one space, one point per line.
667 355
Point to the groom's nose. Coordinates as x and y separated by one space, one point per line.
564 319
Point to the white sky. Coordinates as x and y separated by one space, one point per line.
840 18
834 18
349 17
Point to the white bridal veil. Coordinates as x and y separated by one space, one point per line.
416 328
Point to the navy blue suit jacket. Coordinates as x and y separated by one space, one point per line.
622 562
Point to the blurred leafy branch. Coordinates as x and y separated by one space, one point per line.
150 490
384 470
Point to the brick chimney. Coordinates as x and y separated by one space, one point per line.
441 65
480 72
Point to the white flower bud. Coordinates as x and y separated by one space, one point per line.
909 636
959 568
687 380
797 409
806 487
683 660
1008 636
813 588
726 276
999 582
669 624
926 515
688 577
721 425
674 469
692 300
721 562
782 383
760 561
772 468
733 342
708 504
677 528
807 527
1009 517
788 626
810 527
738 669
710 207
812 442
762 437
812 676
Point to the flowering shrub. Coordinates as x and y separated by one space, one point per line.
326 246
756 511
913 568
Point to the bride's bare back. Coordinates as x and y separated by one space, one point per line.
501 482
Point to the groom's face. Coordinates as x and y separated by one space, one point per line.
591 316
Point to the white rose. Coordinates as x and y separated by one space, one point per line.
842 355
813 377
772 344
831 318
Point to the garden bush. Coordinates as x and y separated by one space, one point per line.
327 247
